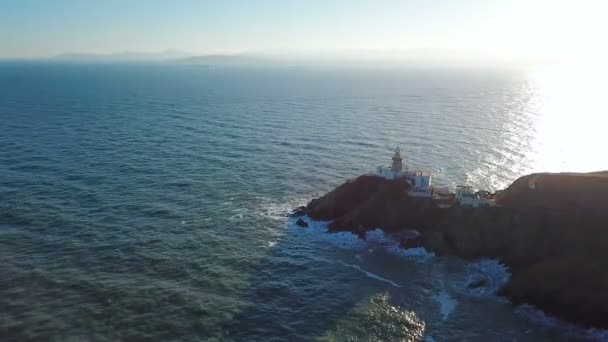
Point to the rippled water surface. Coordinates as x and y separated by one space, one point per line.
148 202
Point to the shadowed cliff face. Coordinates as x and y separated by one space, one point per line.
551 230
347 197
370 202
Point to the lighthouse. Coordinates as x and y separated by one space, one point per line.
419 180
397 161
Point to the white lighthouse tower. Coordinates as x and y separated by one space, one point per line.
397 162
395 170
419 180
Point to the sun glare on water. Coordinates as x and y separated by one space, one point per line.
570 118
556 122
568 112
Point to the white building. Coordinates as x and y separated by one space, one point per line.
466 196
421 181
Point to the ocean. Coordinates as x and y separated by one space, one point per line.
151 201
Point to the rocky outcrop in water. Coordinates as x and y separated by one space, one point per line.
302 223
551 230
369 202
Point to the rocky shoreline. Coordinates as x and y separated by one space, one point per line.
551 230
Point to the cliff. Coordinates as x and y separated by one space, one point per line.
558 191
550 229
369 202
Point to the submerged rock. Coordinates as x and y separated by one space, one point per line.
477 283
302 223
551 230
409 238
300 211
409 234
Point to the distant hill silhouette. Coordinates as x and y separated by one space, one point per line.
227 60
127 56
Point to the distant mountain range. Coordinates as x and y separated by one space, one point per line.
168 56
227 60
127 56
411 57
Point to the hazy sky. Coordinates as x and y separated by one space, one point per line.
533 29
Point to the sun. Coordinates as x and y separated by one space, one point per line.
571 117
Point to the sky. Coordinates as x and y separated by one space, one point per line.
518 29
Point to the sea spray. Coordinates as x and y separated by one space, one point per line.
376 238
446 303
491 274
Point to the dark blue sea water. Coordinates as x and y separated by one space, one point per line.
149 202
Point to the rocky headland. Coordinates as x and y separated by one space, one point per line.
550 229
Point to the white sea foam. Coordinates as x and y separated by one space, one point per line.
539 317
236 217
317 230
447 304
370 274
239 214
378 238
419 254
373 239
492 273
277 211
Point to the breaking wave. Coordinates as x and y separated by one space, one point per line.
447 304
370 275
488 274
376 238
